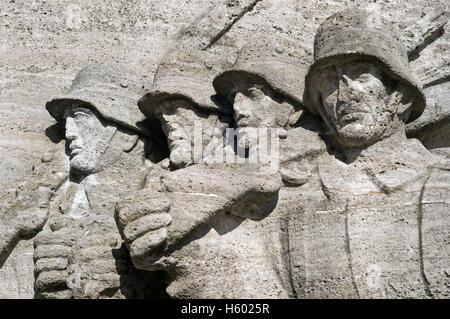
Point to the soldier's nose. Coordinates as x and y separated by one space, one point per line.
71 129
345 83
346 80
347 89
240 102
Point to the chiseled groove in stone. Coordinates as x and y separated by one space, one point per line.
349 253
429 37
230 25
381 186
425 281
440 80
325 190
51 251
285 223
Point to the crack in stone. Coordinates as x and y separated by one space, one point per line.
441 80
349 254
285 223
109 142
230 25
420 239
379 184
429 37
358 207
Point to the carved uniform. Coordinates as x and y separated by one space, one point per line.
371 230
80 255
98 266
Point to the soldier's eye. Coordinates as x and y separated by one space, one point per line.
80 116
255 93
364 77
165 111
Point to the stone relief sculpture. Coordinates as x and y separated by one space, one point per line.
29 211
181 95
371 232
170 226
265 87
364 99
149 196
431 66
79 254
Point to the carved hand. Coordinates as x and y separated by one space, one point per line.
155 223
29 215
96 265
239 189
142 219
30 207
51 259
152 224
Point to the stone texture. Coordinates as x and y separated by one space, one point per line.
374 227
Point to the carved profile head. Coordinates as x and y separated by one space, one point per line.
183 97
100 116
265 85
360 82
84 132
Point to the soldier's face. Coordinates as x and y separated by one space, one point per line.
255 107
179 119
354 98
83 135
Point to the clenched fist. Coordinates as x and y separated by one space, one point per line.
51 258
155 223
142 219
152 224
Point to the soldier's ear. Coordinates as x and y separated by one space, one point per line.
130 142
404 99
294 116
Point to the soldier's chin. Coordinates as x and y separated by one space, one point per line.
356 135
82 165
180 156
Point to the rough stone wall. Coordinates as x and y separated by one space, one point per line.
43 44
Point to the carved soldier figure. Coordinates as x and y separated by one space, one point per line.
182 97
266 84
79 255
187 222
374 222
265 88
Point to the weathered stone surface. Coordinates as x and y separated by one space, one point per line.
355 209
